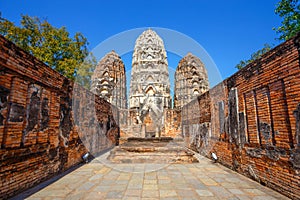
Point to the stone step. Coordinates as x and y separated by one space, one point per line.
152 150
154 159
166 156
152 139
133 155
155 144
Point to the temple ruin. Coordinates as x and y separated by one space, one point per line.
109 80
149 101
191 80
250 120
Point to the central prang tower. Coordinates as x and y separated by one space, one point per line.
150 83
149 76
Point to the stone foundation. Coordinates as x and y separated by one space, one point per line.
157 150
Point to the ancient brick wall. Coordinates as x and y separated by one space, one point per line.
40 134
130 126
172 124
255 120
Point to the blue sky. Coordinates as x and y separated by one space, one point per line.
228 30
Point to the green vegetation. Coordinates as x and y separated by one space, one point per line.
289 11
85 71
52 45
254 56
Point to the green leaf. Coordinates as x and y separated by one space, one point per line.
52 45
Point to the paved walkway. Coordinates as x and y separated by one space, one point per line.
204 180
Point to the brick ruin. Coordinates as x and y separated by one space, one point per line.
251 121
109 80
149 96
191 80
39 134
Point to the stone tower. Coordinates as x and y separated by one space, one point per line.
109 80
150 83
191 80
149 76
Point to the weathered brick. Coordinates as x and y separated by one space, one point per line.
32 148
268 95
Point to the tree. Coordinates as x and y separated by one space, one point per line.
85 71
52 45
289 11
254 56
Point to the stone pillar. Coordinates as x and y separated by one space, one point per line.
233 116
157 131
221 117
242 127
143 132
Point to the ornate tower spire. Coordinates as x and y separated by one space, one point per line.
109 80
150 83
149 76
191 80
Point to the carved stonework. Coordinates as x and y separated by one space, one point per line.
150 83
109 80
149 76
191 80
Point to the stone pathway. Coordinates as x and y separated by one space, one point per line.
203 180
